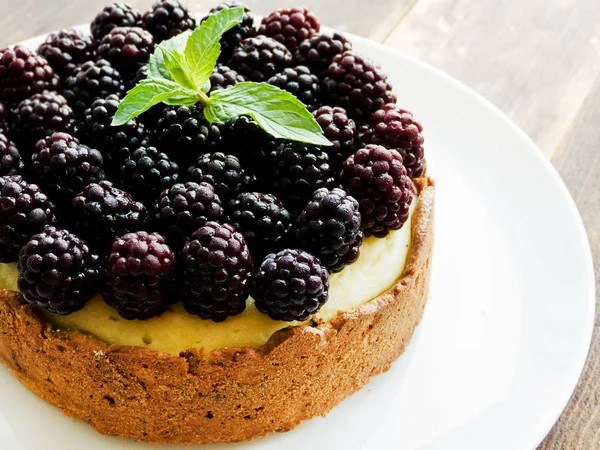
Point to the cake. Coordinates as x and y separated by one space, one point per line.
182 273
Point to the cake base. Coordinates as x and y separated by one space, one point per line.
234 394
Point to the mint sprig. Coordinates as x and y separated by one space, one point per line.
179 74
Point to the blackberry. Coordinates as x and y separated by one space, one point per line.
3 119
290 26
92 80
147 172
23 73
340 130
101 213
168 18
224 77
66 49
357 85
259 58
231 39
127 49
115 15
11 162
290 285
140 75
395 128
329 228
216 272
183 208
57 271
262 219
223 171
40 116
138 274
24 211
318 51
300 82
63 166
376 177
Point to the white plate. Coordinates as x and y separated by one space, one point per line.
509 319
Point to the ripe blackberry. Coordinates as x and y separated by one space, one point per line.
318 51
216 272
23 73
147 172
24 211
115 15
140 75
63 166
300 82
57 271
11 162
224 77
3 119
168 18
102 213
41 115
137 279
92 80
329 228
340 130
358 85
290 285
232 38
262 219
376 177
290 26
223 171
395 128
259 58
127 49
183 208
66 49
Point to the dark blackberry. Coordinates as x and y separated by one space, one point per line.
396 128
137 279
357 85
376 177
290 285
102 213
340 130
147 172
300 82
140 75
127 49
57 271
224 77
318 51
262 219
40 116
23 73
66 49
11 162
232 38
215 271
3 119
223 171
115 15
259 58
24 211
183 208
329 228
168 18
290 26
92 80
63 166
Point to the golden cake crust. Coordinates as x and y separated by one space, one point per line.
236 394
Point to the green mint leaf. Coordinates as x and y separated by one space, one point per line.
178 68
177 42
276 111
156 65
203 47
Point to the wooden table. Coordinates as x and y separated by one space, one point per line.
538 60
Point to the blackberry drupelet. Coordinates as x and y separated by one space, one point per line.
290 285
259 58
290 26
115 15
329 228
138 275
57 271
340 130
224 77
183 208
66 49
24 211
11 162
223 171
127 49
216 272
168 18
376 177
300 82
358 85
318 51
101 213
